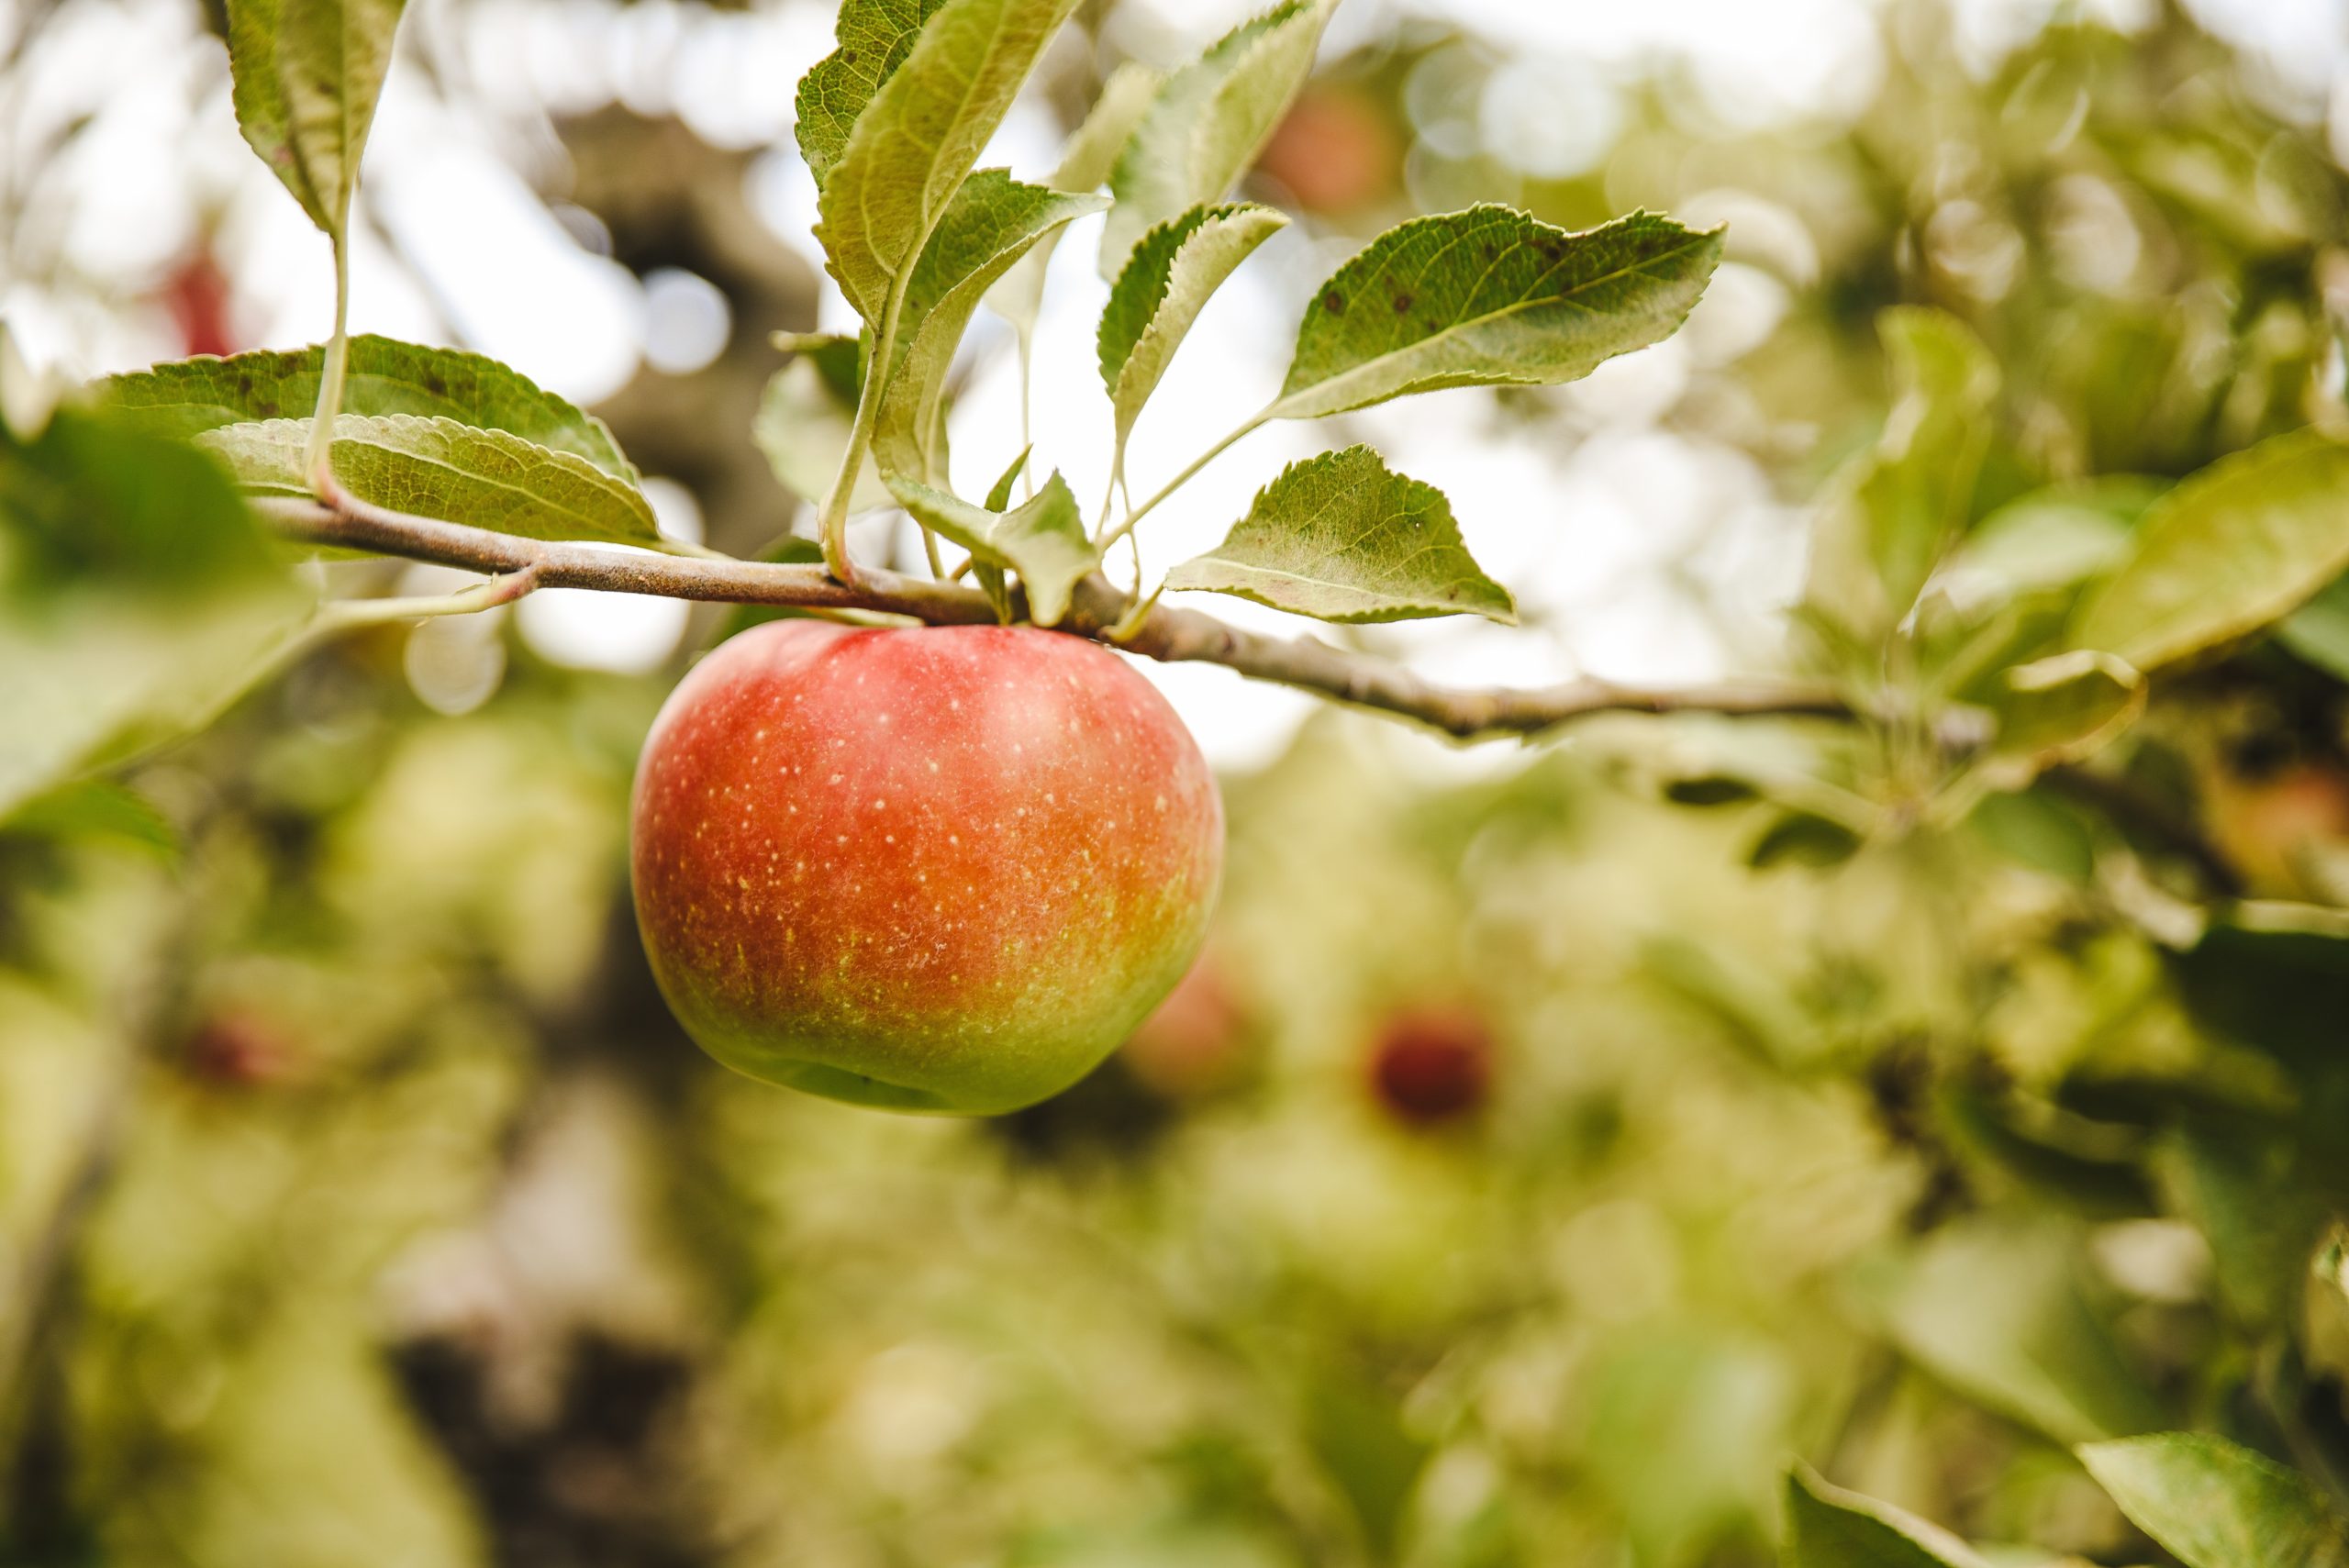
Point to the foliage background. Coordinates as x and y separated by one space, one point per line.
359 1203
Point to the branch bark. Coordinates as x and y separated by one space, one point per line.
1166 633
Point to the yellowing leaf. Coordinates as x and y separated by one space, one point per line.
1019 296
1208 124
438 468
1166 283
2213 1504
2233 548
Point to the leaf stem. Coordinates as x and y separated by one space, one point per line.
831 518
1101 536
337 358
350 615
1026 337
1136 513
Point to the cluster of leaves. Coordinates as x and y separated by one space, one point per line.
917 240
2074 578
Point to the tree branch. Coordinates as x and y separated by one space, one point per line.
1166 633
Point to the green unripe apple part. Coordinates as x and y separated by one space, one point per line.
939 870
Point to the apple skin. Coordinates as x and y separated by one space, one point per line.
941 870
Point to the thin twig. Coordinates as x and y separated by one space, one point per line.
1166 633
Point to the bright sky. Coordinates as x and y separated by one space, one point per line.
1636 554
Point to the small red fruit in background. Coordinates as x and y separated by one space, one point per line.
2267 826
239 1050
1432 1066
936 870
1196 1043
197 294
1335 150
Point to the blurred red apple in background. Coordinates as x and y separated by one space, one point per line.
1432 1065
1196 1043
1335 151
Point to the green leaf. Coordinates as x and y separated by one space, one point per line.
1209 122
95 810
2236 547
1711 789
1165 285
2253 1205
2039 829
989 575
1019 296
2271 977
917 140
991 222
2318 631
1828 1527
1094 147
874 37
1803 838
1357 1433
1995 1309
1490 297
1893 512
1043 539
999 494
804 419
305 77
2055 536
2060 709
439 468
185 397
1682 1426
2213 1504
138 596
1341 537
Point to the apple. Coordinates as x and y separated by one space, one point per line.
1335 150
1197 1044
1432 1066
2271 826
944 869
241 1051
